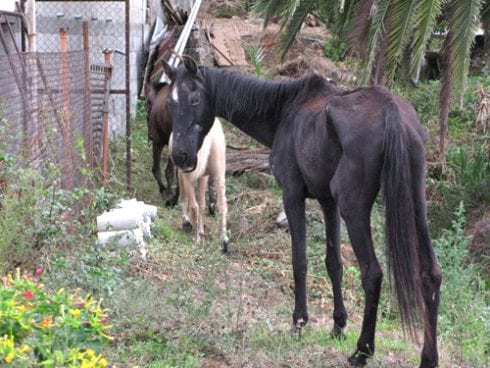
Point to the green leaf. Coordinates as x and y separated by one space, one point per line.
401 20
463 18
425 22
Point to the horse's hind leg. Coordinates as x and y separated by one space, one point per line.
355 194
157 153
333 263
431 276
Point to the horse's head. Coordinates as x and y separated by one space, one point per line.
192 116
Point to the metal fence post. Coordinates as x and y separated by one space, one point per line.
87 118
67 175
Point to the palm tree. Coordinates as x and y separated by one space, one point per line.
386 34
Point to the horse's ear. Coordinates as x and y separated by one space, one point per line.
169 71
190 64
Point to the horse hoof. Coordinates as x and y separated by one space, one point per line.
225 244
212 209
337 333
297 328
358 359
429 362
186 226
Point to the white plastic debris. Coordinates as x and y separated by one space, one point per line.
126 225
122 238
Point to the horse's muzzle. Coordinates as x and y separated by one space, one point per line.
181 160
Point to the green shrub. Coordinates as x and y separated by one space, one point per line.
464 315
335 49
40 328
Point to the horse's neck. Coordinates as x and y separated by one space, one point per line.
252 105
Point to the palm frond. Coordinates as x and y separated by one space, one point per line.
359 29
342 18
463 18
293 26
425 20
401 22
377 33
268 9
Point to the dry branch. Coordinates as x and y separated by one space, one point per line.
237 162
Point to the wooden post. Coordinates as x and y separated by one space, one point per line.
67 170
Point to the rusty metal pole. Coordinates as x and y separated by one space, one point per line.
67 171
87 118
105 133
128 98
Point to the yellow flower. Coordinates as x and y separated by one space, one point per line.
22 309
10 356
103 362
75 312
25 348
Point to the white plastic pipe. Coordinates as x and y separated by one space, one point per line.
121 238
183 38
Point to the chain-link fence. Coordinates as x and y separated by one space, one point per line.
107 31
45 112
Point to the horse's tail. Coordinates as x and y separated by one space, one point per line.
401 234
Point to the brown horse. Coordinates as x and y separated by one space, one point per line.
340 148
159 121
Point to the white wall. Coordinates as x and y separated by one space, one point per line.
8 5
106 30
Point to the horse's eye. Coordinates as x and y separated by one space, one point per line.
194 99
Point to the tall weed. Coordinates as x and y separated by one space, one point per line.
464 320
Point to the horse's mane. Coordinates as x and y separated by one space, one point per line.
161 49
258 95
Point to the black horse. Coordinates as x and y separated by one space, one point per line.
339 148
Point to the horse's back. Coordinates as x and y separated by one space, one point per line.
359 118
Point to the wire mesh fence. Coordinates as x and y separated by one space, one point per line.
45 113
107 31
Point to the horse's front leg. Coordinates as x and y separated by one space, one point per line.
294 205
333 263
223 210
172 194
157 154
184 200
203 183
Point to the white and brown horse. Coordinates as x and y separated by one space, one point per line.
211 161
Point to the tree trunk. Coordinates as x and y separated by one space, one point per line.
445 99
485 21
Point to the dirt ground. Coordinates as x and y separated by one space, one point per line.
227 35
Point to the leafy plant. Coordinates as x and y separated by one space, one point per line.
336 49
40 328
464 315
256 55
